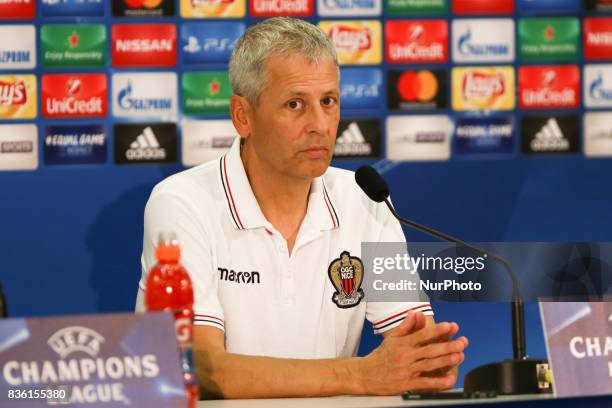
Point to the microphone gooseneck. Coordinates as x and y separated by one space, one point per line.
376 188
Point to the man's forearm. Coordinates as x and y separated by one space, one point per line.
227 375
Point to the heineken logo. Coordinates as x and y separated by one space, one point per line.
73 45
206 92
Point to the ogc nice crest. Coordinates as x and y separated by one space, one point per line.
346 274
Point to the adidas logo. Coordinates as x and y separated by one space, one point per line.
146 147
352 143
550 138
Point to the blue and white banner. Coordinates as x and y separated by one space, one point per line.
344 8
483 40
212 42
17 47
74 144
548 5
493 135
72 8
145 95
361 88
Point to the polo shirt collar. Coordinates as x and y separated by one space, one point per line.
243 208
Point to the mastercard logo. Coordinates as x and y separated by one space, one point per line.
142 3
421 86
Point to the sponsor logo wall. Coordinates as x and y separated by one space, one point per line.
420 79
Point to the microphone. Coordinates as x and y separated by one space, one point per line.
517 376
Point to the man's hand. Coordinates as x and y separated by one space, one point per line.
420 321
406 358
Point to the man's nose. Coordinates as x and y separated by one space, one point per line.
317 120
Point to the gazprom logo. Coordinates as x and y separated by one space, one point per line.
349 4
469 48
129 103
597 90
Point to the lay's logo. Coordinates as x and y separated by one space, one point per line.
17 96
13 93
213 8
356 42
483 85
483 88
351 39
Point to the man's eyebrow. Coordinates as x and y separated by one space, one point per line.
302 94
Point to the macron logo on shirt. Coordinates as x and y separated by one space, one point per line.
238 277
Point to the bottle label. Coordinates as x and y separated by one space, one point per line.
184 329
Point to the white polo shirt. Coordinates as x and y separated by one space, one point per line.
307 304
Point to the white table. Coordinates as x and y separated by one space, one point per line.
359 402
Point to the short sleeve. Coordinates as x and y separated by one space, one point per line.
169 212
388 315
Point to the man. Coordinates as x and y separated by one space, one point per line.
265 230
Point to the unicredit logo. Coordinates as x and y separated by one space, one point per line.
69 95
416 51
350 39
281 6
482 85
73 106
13 93
547 95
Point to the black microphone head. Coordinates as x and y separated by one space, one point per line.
372 183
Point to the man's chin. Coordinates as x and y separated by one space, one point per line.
312 170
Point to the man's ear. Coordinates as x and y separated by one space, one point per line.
239 112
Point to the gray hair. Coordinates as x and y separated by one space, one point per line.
277 35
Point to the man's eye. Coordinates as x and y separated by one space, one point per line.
329 101
294 105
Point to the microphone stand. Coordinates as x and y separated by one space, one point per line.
3 308
510 377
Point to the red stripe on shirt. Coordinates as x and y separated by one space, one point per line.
230 191
401 313
329 210
208 316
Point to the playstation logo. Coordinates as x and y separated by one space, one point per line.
193 45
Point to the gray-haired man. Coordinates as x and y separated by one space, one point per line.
271 236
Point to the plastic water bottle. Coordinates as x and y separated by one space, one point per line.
169 289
